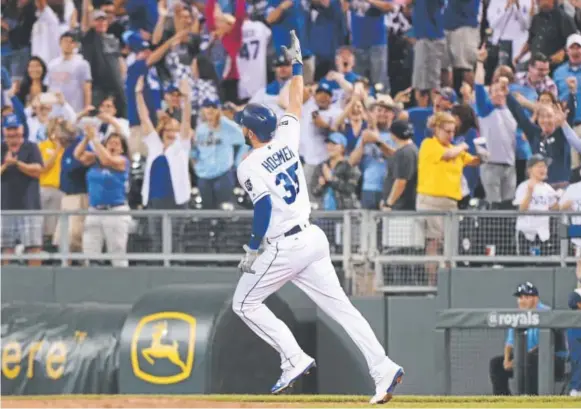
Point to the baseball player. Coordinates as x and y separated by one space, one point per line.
294 250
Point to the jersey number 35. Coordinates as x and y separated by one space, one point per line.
290 181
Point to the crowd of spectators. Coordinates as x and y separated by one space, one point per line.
409 105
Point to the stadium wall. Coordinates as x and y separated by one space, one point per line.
225 356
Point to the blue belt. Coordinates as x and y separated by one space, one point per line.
294 230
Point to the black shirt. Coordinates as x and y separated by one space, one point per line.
403 165
549 31
19 191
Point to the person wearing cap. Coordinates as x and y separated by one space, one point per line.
141 62
103 52
218 148
372 150
334 182
498 132
571 200
574 343
568 80
21 167
399 188
172 102
318 116
269 96
71 74
501 367
534 194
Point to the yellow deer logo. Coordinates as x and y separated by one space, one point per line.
159 350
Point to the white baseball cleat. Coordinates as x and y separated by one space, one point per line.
385 387
290 376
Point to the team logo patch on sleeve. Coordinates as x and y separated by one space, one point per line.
248 185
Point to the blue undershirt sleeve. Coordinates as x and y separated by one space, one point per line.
260 222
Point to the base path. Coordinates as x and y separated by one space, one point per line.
283 401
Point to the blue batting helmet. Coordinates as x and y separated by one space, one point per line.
260 119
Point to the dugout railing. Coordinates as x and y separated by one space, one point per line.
384 251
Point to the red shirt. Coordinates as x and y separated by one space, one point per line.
232 41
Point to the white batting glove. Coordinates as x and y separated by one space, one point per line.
245 265
293 52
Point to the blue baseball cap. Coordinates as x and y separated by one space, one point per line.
337 138
11 121
527 288
211 103
172 88
134 41
324 86
449 94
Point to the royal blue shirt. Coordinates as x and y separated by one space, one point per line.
152 91
428 19
327 31
523 147
560 77
106 186
471 173
143 14
461 13
336 88
418 117
73 173
352 138
160 183
367 25
291 19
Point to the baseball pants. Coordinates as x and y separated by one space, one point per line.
303 259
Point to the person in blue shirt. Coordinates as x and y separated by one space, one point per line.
462 38
340 80
284 16
430 46
143 14
141 63
466 132
219 147
371 154
107 185
444 100
369 38
501 367
574 343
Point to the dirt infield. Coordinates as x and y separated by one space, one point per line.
285 401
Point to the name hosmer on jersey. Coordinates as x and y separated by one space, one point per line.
278 158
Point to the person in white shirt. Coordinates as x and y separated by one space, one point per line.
534 194
318 116
571 200
47 29
44 107
252 58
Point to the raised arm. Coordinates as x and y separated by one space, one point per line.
521 118
186 125
146 125
293 53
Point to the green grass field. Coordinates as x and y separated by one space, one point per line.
304 401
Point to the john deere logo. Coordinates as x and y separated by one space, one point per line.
162 348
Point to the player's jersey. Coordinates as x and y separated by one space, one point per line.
251 58
275 169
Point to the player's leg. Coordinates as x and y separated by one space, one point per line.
319 281
271 273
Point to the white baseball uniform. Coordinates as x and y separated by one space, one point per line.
302 257
251 58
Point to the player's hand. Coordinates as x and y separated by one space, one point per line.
293 52
245 265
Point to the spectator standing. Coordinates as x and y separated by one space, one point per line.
352 121
103 52
370 154
440 170
32 83
51 151
269 96
399 189
20 170
369 38
204 84
462 39
537 76
498 129
327 30
568 81
143 15
218 147
400 50
548 33
318 116
444 99
109 121
46 106
107 185
571 200
46 32
430 46
467 131
342 79
252 58
166 182
334 182
71 74
283 16
17 21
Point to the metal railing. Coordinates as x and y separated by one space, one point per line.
392 249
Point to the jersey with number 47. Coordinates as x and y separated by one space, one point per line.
275 169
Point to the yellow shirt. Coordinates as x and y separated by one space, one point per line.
52 176
438 177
